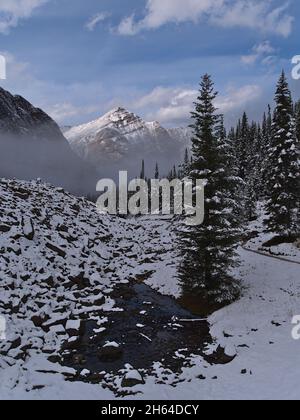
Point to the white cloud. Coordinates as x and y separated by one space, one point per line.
237 98
61 112
172 106
264 48
161 12
263 51
164 96
11 11
128 26
96 19
168 105
253 14
249 59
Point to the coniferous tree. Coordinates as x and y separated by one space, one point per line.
266 135
185 167
143 175
297 118
174 172
259 158
232 142
250 199
252 169
221 130
243 145
246 151
186 158
209 250
284 169
265 144
156 171
234 184
170 175
269 121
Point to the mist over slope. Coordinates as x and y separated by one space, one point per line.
32 146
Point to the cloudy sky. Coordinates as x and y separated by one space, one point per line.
79 58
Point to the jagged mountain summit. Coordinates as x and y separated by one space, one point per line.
121 138
33 146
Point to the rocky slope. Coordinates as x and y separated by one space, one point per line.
123 139
18 116
71 293
32 146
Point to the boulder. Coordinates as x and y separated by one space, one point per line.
74 328
220 356
109 353
4 228
132 378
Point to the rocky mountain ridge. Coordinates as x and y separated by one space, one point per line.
123 139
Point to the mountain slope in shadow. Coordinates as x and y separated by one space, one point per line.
32 146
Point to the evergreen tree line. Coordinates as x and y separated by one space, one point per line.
252 162
173 173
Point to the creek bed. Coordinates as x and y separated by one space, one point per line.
150 328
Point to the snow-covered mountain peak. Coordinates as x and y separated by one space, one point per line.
154 125
122 138
117 119
120 113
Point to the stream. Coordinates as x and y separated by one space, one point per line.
150 328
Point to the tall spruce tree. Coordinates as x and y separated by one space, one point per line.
252 169
243 146
185 166
259 158
234 184
266 135
284 170
174 172
297 118
247 146
156 175
265 145
209 250
143 174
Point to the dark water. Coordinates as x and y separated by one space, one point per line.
158 340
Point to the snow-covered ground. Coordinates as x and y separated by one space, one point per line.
257 328
285 251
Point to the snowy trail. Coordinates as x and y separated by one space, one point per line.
271 256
